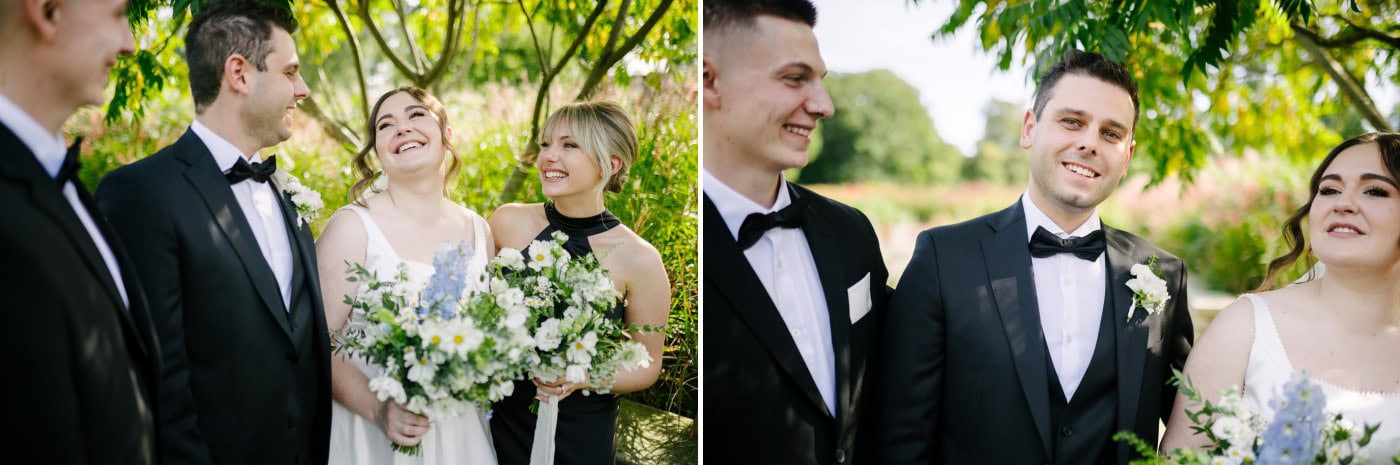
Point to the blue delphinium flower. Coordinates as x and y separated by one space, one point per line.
1295 434
448 281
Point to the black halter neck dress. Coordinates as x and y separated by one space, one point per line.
586 427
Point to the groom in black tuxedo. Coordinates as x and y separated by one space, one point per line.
1014 338
227 263
794 282
81 358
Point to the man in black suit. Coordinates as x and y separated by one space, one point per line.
794 282
80 354
1014 337
226 261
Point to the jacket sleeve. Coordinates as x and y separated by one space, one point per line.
912 362
153 244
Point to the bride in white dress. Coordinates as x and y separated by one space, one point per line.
1342 328
404 222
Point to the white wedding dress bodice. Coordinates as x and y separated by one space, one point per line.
1269 369
356 440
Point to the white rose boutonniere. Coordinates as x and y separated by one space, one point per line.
306 200
1149 290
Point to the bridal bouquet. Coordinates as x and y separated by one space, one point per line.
568 300
1300 432
441 347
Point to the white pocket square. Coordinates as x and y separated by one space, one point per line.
858 298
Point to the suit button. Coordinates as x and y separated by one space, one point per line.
292 424
840 456
1066 432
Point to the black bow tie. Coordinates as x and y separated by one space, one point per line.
756 224
1045 244
259 172
69 170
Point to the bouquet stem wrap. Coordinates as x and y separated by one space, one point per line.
542 451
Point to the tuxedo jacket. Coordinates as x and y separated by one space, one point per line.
965 361
761 403
81 366
245 380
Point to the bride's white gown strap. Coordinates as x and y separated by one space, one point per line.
356 440
1269 368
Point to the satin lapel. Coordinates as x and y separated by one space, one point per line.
292 223
134 298
1132 336
824 242
21 164
1007 254
741 288
206 178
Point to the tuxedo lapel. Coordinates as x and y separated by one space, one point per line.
1007 255
823 242
1132 338
745 294
133 294
47 195
292 222
206 178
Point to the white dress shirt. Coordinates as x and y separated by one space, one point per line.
258 201
783 261
1070 292
49 150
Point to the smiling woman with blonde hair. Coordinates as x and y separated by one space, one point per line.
585 150
403 222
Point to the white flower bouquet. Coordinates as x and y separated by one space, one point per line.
1301 432
568 300
440 347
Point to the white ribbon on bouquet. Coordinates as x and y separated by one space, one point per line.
542 451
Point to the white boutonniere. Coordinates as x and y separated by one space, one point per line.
1149 290
306 200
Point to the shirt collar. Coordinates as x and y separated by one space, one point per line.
225 154
1035 217
47 147
734 207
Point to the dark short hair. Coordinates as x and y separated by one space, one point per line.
725 14
223 28
1089 64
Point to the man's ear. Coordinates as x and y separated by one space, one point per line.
710 94
237 74
42 15
1132 146
1028 128
616 165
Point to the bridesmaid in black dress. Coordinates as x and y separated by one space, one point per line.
585 150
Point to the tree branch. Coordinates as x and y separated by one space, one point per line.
530 23
330 126
378 35
600 70
611 59
1354 91
355 53
522 166
1367 33
419 60
449 48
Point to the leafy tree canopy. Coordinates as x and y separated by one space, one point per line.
1285 77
